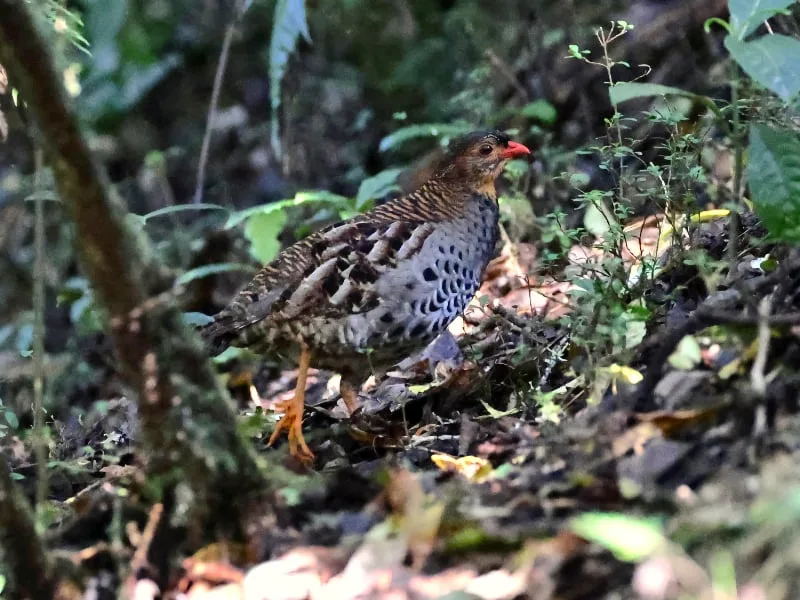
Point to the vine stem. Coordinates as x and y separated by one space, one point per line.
219 77
605 40
40 440
738 162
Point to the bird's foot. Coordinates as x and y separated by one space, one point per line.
292 422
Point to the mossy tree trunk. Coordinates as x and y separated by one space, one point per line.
21 550
189 434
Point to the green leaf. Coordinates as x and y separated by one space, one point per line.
300 198
291 496
207 270
635 332
377 186
233 353
84 314
45 195
288 25
139 80
196 319
24 340
687 354
262 230
541 110
628 90
423 130
11 419
630 539
176 208
6 331
498 414
597 219
746 15
105 19
773 171
770 61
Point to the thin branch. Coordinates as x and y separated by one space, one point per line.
704 316
757 379
508 73
219 77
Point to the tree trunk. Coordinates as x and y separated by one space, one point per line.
189 432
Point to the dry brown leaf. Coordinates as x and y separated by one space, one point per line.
635 439
212 572
585 255
661 424
670 422
417 517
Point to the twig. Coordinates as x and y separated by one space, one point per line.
758 382
705 316
555 354
731 318
219 76
715 310
506 71
139 560
417 440
757 379
39 442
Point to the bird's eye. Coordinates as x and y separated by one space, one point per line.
485 150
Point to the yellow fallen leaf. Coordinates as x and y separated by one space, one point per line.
421 388
497 414
701 217
627 374
709 215
472 468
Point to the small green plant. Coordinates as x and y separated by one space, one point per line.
611 267
773 152
610 309
262 226
609 316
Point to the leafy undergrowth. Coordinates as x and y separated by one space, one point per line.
461 477
615 416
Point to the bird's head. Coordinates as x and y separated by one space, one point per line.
477 159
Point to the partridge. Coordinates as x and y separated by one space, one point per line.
360 295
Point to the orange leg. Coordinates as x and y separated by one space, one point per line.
292 419
349 395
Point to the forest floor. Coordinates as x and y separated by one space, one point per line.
510 459
457 480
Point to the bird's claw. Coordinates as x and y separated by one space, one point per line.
292 422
